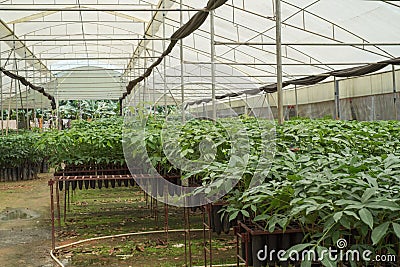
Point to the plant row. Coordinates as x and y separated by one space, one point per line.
332 179
95 143
20 159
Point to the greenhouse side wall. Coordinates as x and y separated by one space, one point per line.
365 98
366 108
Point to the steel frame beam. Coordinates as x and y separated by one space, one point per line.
307 44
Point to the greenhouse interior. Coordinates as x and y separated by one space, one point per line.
199 133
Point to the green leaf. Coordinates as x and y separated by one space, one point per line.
245 213
388 205
323 255
366 217
261 217
338 216
396 228
379 232
368 194
233 215
350 213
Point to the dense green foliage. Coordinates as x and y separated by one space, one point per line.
94 142
18 149
343 180
85 109
331 178
97 142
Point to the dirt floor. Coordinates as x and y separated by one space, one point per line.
25 223
100 212
25 229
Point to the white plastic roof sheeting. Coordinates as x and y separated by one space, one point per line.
94 83
76 34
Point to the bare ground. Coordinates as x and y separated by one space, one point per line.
25 241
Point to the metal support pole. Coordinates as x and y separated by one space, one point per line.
188 242
26 94
373 115
246 109
9 108
394 91
156 212
337 99
58 206
41 107
65 205
154 77
16 104
185 236
166 218
145 81
278 19
182 68
69 200
53 231
164 62
297 103
214 102
16 83
58 124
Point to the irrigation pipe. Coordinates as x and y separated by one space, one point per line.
55 259
114 236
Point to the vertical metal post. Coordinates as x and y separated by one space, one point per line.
394 91
337 99
69 200
34 109
182 67
166 218
16 101
297 103
145 79
53 231
144 68
373 115
9 108
153 53
164 62
203 213
58 126
27 109
65 205
58 206
26 93
16 83
41 106
214 102
185 235
246 110
278 18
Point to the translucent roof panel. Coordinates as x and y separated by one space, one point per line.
126 36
